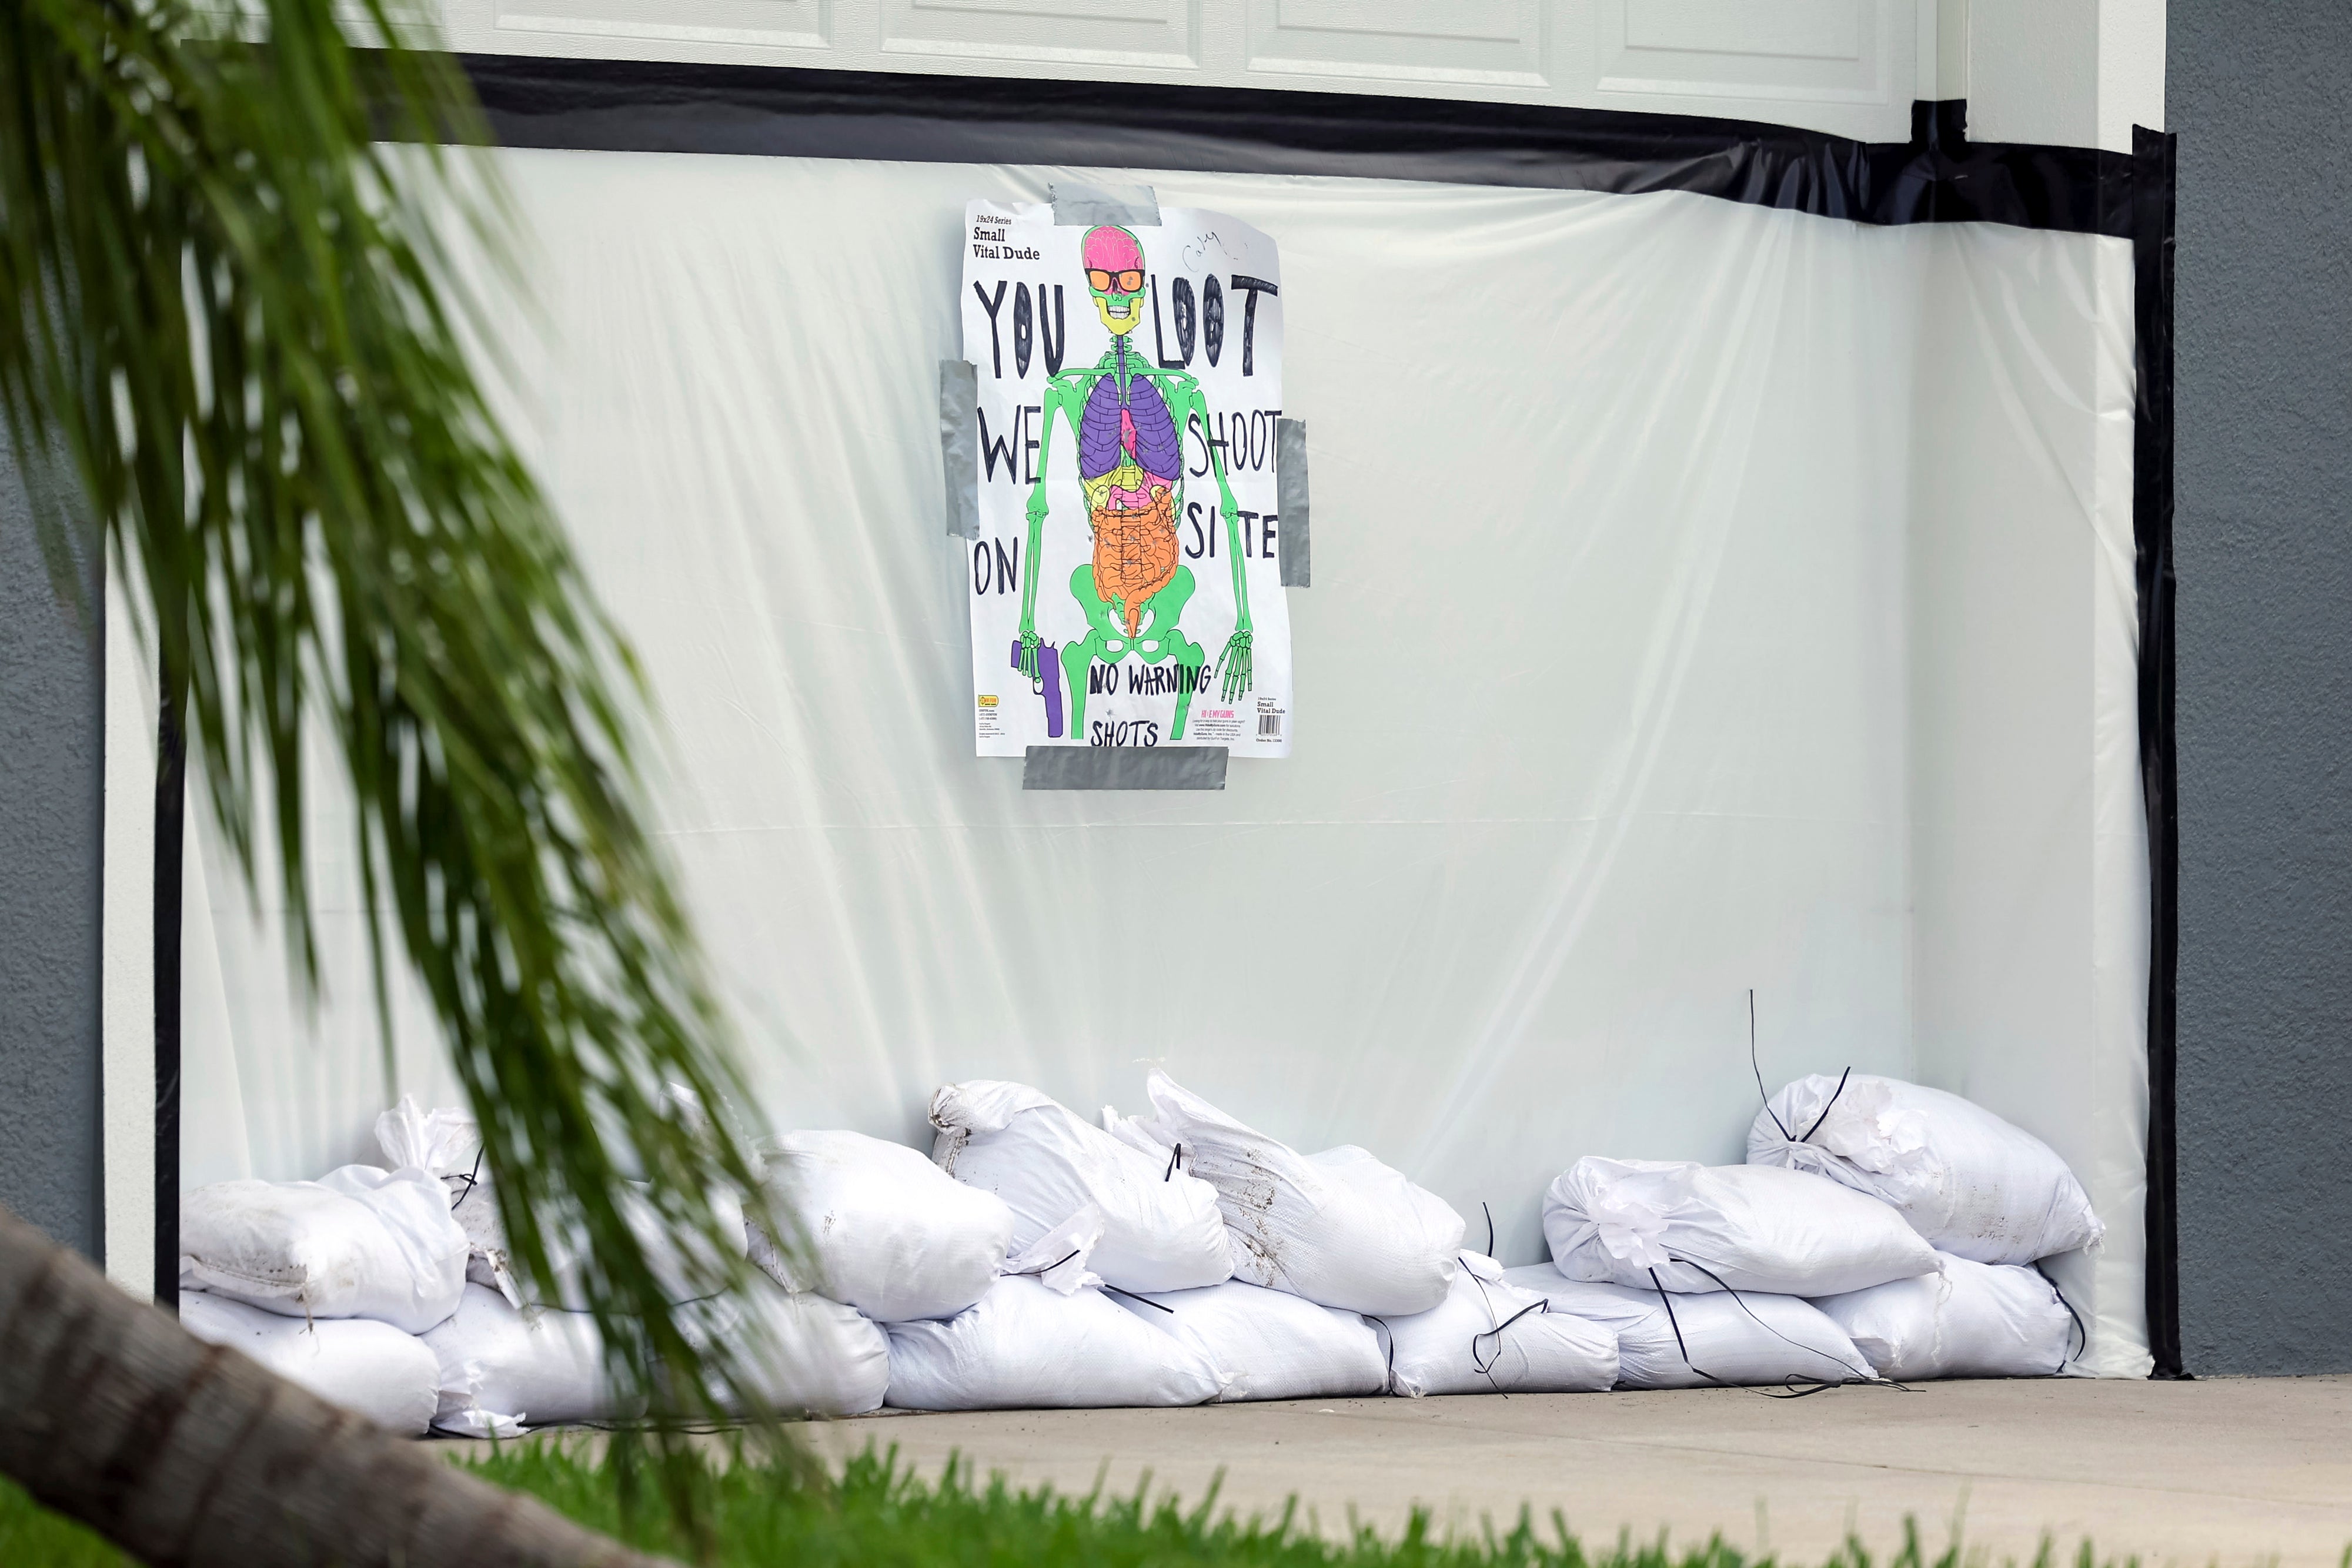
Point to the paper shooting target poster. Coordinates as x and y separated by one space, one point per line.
1127 585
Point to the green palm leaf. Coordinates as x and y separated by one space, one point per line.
235 322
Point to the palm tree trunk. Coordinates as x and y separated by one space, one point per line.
188 1454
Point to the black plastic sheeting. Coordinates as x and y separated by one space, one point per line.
1937 177
2153 156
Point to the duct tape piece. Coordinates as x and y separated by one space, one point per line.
1290 493
1119 767
1131 206
959 452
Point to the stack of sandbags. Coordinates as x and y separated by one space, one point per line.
448 1143
1684 1340
509 1358
1045 1335
355 1265
1492 1336
502 1367
877 1229
1989 1197
368 1272
1157 1317
1162 1229
992 1301
500 1361
1693 1231
1340 1227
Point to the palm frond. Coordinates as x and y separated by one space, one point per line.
233 314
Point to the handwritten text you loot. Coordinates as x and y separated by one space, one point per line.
1199 318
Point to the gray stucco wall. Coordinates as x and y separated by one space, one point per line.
2263 307
52 822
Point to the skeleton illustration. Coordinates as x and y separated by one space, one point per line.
1130 416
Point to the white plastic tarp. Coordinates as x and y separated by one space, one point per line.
1706 597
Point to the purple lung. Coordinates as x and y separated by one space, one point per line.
1147 429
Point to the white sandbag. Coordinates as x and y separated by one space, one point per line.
882 1229
1971 1183
365 1366
358 1243
1973 1319
1490 1336
1270 1345
1698 1227
1722 1337
1025 1345
1338 1227
1161 1227
804 1356
447 1141
502 1367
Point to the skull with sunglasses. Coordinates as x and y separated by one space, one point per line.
1113 260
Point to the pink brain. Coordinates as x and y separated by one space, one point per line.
1111 249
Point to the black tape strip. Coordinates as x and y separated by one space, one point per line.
2154 154
171 830
960 446
1134 206
1124 768
1291 498
1937 177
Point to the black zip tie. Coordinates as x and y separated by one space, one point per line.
1490 1227
1542 1304
1486 1369
2070 1312
1825 1109
1752 1067
1390 1335
1489 1302
1174 1155
591 1311
1032 1274
472 1179
1131 1296
1665 1301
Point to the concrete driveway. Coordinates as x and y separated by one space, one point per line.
2233 1470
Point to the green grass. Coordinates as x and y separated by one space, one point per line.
882 1515
32 1537
765 1514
